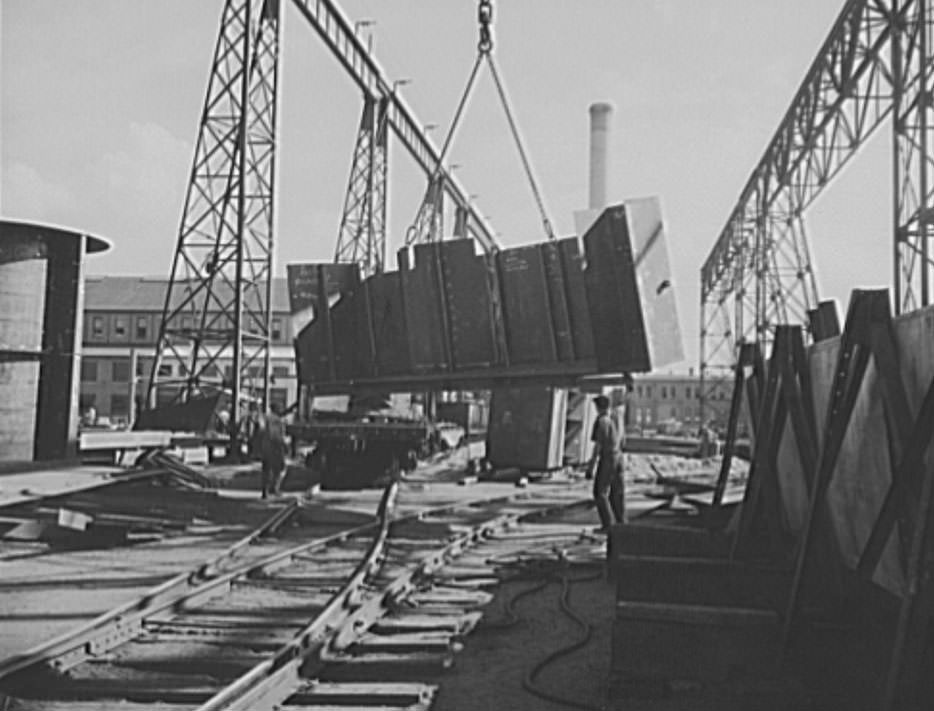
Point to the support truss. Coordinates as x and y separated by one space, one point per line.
876 60
361 237
913 50
217 305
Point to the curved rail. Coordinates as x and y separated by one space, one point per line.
271 682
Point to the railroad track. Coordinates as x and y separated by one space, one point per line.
365 617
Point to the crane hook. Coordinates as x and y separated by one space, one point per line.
485 18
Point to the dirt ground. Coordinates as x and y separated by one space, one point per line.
504 651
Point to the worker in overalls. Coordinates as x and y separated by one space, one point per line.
606 466
270 441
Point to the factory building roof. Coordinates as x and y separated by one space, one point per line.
138 293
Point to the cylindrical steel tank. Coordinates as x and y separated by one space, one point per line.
41 303
600 117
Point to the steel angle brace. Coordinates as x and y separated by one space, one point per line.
762 498
916 609
750 358
849 373
793 403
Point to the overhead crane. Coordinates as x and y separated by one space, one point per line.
876 63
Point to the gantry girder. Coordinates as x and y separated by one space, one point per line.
338 33
217 304
876 61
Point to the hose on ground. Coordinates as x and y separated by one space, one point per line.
528 683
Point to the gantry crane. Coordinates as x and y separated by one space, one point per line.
877 62
218 301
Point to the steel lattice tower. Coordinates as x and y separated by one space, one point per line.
361 236
877 60
217 304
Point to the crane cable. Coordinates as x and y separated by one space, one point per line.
485 52
485 49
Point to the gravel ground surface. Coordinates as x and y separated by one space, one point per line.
526 623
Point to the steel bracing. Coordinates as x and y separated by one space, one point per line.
876 61
361 237
217 304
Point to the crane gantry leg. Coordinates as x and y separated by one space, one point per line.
361 237
217 304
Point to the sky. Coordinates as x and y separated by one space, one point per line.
100 102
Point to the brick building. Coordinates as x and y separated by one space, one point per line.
672 401
121 325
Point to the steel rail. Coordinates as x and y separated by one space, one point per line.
117 624
268 684
265 680
117 478
125 622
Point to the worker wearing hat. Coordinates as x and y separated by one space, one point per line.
606 466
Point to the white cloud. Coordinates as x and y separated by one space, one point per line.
149 174
27 194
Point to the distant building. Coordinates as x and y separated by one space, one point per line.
672 402
121 324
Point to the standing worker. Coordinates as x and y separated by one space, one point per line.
272 448
606 466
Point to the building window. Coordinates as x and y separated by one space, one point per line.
119 405
664 392
142 328
120 371
86 400
280 371
88 370
165 369
97 328
255 372
276 329
120 328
